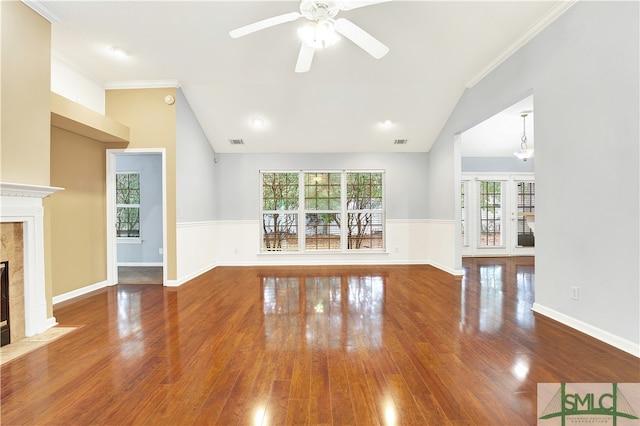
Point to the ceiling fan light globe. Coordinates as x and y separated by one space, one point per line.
318 34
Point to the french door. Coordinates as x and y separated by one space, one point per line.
498 215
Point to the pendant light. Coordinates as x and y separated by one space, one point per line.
524 153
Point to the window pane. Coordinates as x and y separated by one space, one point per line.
127 222
322 231
526 206
280 191
364 230
321 190
280 232
490 214
364 191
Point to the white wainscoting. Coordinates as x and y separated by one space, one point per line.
195 250
204 245
441 245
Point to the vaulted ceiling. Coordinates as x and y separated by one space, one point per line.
437 49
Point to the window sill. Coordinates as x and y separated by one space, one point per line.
322 252
130 240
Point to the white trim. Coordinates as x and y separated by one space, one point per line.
23 203
8 189
79 292
524 38
189 277
140 264
51 322
142 84
129 240
203 223
41 8
452 271
595 332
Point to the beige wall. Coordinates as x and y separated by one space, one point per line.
76 217
25 48
153 125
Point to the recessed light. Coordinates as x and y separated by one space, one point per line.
118 52
387 123
257 122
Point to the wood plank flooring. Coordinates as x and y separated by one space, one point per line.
369 345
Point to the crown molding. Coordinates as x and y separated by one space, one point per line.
142 84
553 13
41 8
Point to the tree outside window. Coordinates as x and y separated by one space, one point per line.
319 203
128 205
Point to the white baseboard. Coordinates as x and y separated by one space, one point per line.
79 292
455 272
182 280
140 264
595 332
51 322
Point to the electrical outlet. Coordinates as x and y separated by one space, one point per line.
160 250
575 293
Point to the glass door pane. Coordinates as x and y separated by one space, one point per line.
490 214
525 209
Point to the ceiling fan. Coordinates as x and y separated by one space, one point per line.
321 29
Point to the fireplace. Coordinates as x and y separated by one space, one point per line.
22 212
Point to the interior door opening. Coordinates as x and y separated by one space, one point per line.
497 190
136 217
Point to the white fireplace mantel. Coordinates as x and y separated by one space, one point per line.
23 203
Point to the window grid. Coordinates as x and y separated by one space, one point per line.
490 214
322 200
319 202
128 205
365 214
280 205
526 204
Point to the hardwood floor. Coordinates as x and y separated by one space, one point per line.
308 345
140 275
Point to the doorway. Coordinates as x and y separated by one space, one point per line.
136 216
496 215
497 189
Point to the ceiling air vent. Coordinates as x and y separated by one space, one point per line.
236 141
400 142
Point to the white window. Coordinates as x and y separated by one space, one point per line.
339 211
128 205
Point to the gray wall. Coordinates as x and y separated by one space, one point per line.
583 71
237 182
496 164
195 177
150 168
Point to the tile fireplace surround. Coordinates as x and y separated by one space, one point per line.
22 204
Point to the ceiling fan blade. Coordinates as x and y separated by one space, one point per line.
360 37
354 4
304 58
265 23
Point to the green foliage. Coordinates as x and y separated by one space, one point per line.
128 194
323 194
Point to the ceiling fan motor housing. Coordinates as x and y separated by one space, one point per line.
319 9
